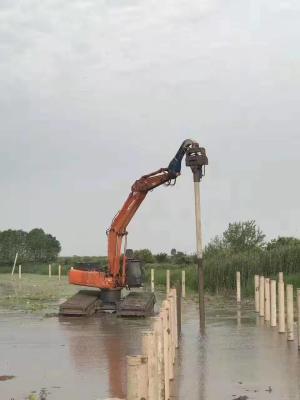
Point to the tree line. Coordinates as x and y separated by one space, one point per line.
244 237
239 237
33 246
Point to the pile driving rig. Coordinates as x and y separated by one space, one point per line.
126 271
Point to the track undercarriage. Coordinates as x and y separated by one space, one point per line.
89 302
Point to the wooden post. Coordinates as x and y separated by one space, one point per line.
158 332
168 281
273 302
261 296
137 378
281 308
298 312
172 338
50 271
152 280
20 271
238 287
178 303
149 350
171 335
280 277
239 316
14 266
267 300
59 272
166 350
256 293
172 299
199 245
290 312
175 318
183 283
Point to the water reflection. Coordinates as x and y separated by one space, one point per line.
239 315
84 358
202 371
240 356
101 344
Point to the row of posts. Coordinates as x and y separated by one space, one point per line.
168 282
49 271
266 304
149 375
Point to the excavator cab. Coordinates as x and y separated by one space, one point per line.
135 273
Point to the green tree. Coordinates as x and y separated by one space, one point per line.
282 241
11 242
53 248
144 255
161 257
35 246
214 246
182 258
41 247
242 236
173 252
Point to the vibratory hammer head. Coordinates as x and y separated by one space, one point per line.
196 159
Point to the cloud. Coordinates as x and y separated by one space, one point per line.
94 94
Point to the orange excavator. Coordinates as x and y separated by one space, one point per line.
125 271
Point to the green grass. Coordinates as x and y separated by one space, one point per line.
39 293
221 269
293 280
191 278
220 278
41 269
33 292
175 275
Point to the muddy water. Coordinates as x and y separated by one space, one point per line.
239 356
82 358
74 358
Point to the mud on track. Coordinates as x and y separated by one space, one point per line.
84 358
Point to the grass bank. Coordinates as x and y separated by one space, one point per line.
41 269
220 269
212 286
39 293
33 292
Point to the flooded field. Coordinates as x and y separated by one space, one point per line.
84 358
239 357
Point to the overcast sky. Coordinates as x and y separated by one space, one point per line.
94 94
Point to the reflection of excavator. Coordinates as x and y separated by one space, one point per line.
126 271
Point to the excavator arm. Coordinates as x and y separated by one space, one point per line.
138 192
116 278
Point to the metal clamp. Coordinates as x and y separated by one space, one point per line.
196 159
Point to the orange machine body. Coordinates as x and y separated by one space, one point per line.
91 278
